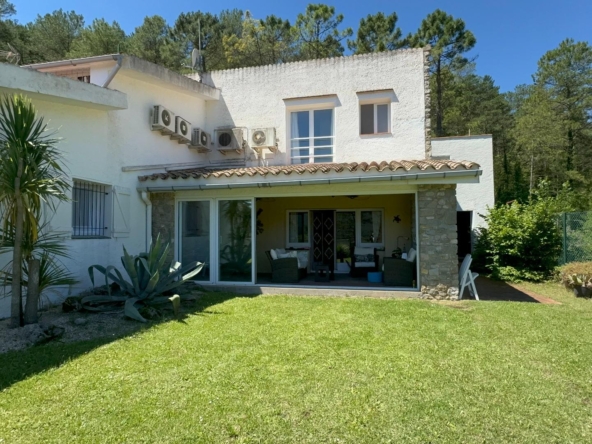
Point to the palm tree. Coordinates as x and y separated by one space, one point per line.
31 172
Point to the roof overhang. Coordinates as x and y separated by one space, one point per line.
79 62
43 86
396 172
150 72
138 69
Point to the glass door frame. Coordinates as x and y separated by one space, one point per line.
215 253
179 233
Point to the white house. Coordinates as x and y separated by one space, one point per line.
326 160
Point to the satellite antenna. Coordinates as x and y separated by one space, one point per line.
11 56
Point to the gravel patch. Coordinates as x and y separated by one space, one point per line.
81 325
77 327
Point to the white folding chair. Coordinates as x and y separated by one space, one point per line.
467 278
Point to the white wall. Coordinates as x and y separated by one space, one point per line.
97 143
254 98
475 197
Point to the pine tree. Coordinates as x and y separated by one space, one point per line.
377 33
449 40
319 34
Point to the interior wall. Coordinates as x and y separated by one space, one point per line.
273 217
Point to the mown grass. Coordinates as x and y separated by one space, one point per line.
287 369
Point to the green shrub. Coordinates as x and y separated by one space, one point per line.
521 241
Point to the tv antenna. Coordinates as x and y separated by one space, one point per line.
11 56
197 58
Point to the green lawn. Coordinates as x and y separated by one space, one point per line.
289 369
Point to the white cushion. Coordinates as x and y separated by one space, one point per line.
302 259
365 264
273 254
293 254
280 250
411 255
363 250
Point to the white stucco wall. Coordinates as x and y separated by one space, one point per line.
254 98
96 145
475 197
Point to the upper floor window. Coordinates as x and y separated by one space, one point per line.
374 118
312 138
375 111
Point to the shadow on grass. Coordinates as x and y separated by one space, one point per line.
492 290
19 365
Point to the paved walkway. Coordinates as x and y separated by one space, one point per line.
491 290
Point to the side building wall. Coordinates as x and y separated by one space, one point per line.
96 144
475 197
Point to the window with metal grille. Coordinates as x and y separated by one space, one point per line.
89 207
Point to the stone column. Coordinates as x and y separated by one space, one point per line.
163 219
427 101
438 241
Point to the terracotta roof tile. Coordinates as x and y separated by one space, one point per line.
312 168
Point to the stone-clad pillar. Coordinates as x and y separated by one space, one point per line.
438 241
163 219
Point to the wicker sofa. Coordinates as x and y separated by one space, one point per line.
285 270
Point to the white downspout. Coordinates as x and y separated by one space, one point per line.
146 198
115 70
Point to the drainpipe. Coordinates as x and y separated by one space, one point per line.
146 198
115 70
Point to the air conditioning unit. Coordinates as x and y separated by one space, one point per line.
163 120
200 140
263 138
182 131
229 139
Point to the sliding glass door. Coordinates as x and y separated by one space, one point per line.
235 240
194 233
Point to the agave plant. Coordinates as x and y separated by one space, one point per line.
581 284
150 277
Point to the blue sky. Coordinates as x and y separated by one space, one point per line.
511 35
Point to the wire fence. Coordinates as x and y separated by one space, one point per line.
576 229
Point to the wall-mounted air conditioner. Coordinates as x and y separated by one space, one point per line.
163 120
200 140
263 138
229 139
182 130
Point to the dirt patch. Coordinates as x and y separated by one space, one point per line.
82 326
77 327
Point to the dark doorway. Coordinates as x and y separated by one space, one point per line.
464 232
323 238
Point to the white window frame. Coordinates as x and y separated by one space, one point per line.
375 118
311 138
359 228
107 209
297 244
379 97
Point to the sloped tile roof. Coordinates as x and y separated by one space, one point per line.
312 168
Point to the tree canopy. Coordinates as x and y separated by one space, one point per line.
377 33
541 131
